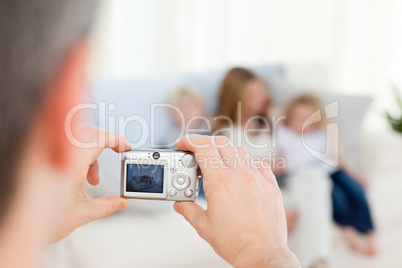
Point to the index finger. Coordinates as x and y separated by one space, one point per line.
203 149
103 139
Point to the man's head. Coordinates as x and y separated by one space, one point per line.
42 43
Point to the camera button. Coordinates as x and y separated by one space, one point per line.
172 192
180 180
188 193
173 169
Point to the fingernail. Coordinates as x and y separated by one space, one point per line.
128 144
124 204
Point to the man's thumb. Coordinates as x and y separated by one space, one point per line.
192 212
105 206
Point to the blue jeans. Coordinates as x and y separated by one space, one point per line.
350 205
201 193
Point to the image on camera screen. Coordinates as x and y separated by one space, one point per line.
144 178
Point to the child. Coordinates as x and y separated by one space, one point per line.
350 207
188 117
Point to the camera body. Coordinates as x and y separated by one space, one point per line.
160 175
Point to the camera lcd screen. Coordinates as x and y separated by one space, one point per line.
144 178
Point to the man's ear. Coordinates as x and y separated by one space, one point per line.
66 89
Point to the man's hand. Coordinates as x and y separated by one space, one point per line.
245 220
76 209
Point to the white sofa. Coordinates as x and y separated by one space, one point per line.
150 233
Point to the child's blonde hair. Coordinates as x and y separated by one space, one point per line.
186 91
305 100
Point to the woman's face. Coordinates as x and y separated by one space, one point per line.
255 98
299 115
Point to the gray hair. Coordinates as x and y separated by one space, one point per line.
35 37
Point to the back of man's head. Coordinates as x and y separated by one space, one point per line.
35 36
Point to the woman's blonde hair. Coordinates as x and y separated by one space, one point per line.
231 92
305 100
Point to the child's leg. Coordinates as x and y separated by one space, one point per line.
342 212
347 192
361 216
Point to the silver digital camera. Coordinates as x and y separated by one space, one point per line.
160 174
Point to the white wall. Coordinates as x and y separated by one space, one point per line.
358 40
